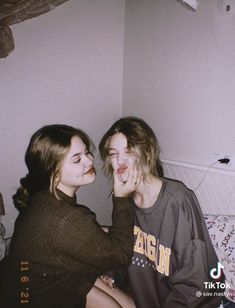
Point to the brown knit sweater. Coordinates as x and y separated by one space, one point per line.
58 250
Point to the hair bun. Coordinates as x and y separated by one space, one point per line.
21 197
24 182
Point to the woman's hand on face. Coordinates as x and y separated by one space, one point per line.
124 189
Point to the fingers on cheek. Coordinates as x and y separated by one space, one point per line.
113 164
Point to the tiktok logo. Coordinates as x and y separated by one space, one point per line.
216 272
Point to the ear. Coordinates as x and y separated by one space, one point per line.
55 179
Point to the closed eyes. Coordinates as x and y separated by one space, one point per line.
78 157
111 154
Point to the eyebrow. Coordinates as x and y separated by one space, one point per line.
113 149
74 155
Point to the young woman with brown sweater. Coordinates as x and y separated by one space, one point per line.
58 249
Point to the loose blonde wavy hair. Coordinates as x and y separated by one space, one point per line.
141 139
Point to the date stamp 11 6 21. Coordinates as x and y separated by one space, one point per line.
24 282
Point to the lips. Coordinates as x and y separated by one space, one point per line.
90 171
122 169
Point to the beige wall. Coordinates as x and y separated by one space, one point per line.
67 68
179 74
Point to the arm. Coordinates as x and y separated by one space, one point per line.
82 238
196 257
189 277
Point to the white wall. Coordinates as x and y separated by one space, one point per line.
66 68
179 75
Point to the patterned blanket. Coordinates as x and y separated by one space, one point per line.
222 232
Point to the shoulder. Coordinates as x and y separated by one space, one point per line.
51 206
58 214
46 204
176 189
43 197
181 197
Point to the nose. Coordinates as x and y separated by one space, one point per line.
121 159
89 159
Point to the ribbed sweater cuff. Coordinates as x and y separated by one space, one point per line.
122 202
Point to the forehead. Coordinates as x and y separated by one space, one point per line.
77 146
118 141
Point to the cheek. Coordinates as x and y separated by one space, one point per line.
79 171
132 160
75 171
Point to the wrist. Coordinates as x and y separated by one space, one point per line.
121 200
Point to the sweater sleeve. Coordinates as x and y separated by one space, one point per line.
196 256
82 238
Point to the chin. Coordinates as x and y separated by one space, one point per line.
87 179
91 179
124 176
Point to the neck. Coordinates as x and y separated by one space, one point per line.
147 192
69 191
